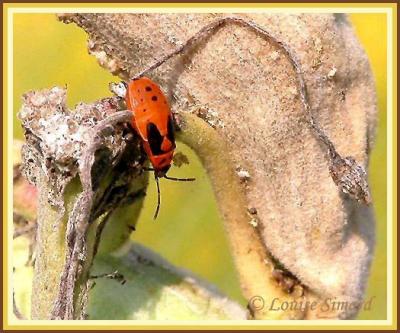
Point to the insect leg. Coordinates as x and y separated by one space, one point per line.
158 199
180 179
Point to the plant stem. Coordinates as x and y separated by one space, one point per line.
50 248
251 257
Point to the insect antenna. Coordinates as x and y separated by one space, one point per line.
158 199
180 179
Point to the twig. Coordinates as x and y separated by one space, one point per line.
22 226
24 230
78 222
113 276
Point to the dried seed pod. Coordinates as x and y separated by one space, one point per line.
351 178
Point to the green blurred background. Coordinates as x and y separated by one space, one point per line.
49 53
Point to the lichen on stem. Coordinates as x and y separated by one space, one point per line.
77 161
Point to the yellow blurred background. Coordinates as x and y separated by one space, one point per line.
49 53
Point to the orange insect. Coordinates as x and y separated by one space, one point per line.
153 121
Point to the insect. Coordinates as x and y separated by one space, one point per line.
152 118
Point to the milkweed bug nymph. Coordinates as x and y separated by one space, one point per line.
153 121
